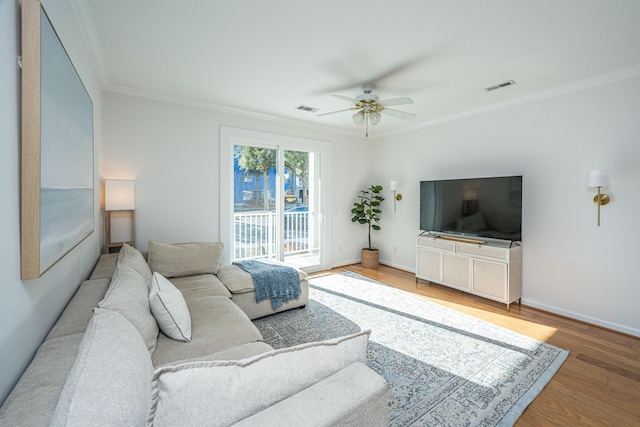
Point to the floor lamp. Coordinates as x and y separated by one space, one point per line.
119 203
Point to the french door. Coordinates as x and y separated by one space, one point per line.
274 196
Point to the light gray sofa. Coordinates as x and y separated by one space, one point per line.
110 360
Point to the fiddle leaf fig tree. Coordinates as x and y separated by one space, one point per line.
367 209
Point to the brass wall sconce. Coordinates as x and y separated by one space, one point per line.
393 186
599 178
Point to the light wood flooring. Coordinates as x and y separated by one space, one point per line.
599 383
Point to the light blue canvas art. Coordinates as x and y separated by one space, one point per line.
66 186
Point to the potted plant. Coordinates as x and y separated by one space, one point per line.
367 211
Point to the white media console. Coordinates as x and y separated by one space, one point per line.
490 269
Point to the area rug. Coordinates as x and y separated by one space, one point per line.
444 368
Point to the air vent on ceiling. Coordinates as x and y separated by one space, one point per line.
500 86
306 108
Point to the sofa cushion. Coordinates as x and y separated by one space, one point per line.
184 259
78 313
243 351
353 396
200 285
131 257
199 392
33 400
169 308
238 352
128 294
216 324
109 382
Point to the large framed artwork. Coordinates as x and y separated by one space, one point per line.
57 176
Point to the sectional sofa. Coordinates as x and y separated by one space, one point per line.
161 342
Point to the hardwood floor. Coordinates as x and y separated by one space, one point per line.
599 383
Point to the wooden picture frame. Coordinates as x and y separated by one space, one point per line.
57 161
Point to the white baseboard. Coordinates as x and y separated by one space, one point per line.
531 303
343 263
577 316
398 266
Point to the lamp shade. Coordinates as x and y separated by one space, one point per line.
598 178
119 195
393 185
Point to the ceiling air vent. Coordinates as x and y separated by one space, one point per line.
306 108
499 86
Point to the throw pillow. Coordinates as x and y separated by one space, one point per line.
109 382
218 390
128 294
184 259
131 257
170 309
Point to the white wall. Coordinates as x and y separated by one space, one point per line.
29 308
172 152
571 266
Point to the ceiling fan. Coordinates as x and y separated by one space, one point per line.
369 108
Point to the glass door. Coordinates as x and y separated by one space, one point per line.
301 225
275 203
255 211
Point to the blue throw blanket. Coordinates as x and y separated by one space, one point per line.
278 283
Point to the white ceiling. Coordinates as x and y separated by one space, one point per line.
267 57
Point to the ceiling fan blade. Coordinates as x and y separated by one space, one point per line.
396 101
398 69
354 67
398 114
333 112
345 98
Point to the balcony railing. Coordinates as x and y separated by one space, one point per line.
255 234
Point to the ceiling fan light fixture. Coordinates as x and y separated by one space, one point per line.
374 117
367 97
369 108
358 118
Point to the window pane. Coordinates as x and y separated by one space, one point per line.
254 201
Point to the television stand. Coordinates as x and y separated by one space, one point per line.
484 268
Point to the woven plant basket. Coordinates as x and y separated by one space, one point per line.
370 258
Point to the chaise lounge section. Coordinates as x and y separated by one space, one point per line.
133 348
243 293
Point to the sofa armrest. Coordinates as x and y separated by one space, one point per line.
354 396
33 400
77 314
105 267
229 391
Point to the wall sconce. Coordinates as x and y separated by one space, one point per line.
119 203
393 186
599 178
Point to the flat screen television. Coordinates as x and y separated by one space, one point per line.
479 207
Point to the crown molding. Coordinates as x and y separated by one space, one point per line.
89 33
206 105
599 80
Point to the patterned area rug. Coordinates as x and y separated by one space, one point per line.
444 368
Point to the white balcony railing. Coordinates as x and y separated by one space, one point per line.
255 234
